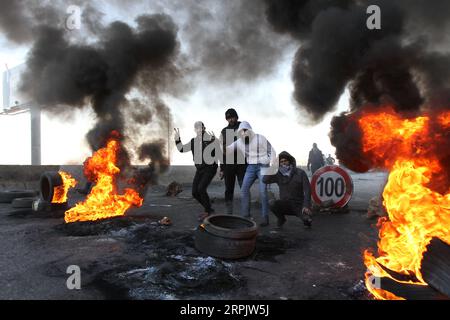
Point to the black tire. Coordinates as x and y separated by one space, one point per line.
49 180
20 203
223 248
231 227
9 196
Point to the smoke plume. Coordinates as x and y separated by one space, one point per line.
338 50
405 64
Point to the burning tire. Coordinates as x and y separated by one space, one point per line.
20 203
49 180
226 236
9 196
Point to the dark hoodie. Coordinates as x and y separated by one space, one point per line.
295 187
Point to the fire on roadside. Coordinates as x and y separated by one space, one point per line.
104 200
416 213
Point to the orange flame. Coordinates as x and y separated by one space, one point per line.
416 213
104 200
60 192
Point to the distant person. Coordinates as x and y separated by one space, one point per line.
230 169
206 166
330 160
315 159
259 154
295 191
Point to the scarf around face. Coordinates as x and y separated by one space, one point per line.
286 170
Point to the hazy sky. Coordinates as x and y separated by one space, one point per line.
266 103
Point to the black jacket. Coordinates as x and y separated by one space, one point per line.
226 143
196 144
316 158
295 187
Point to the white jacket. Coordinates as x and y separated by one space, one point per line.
258 151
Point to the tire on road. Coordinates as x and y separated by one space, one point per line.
224 248
230 226
49 180
10 195
23 202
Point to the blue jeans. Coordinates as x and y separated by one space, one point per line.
252 173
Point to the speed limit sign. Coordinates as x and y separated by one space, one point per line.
332 183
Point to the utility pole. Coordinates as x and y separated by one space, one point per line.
168 135
11 108
35 117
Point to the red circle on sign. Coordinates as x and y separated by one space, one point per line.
348 185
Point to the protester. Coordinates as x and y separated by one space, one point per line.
205 163
230 168
259 154
315 159
295 191
330 160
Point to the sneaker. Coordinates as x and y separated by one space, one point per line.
307 221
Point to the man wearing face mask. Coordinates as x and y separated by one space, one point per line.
295 191
259 155
204 154
231 167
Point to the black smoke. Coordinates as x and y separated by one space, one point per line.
120 70
337 50
406 64
61 74
155 152
229 41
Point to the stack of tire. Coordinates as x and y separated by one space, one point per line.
24 199
19 199
226 236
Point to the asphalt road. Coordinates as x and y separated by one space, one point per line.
324 262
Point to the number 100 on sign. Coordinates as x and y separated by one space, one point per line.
332 183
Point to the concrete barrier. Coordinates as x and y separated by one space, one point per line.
22 177
27 177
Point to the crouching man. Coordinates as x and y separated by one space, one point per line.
295 191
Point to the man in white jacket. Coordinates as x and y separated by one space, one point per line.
261 160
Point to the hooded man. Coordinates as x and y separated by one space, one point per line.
203 150
259 155
232 166
315 159
295 191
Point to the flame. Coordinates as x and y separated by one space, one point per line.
416 213
444 119
60 192
103 200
